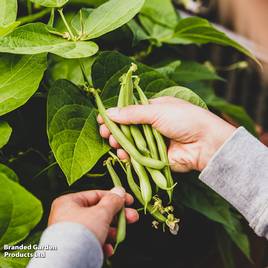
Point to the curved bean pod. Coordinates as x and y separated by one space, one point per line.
123 140
136 191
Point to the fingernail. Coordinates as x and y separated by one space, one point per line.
119 191
113 112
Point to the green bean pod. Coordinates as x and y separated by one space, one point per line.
136 191
164 157
121 226
139 140
158 178
145 186
162 148
150 141
149 137
123 140
126 96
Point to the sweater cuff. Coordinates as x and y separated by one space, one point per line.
75 246
238 172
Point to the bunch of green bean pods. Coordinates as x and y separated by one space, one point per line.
147 154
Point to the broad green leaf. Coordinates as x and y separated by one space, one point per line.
188 71
138 33
198 197
109 67
4 170
20 211
156 31
184 94
161 12
5 133
13 262
8 12
39 40
236 112
50 3
194 30
70 69
5 30
19 79
110 16
73 130
92 3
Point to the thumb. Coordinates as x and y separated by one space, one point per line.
133 114
112 202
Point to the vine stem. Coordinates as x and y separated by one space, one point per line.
66 24
34 17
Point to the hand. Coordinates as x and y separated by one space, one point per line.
95 210
195 134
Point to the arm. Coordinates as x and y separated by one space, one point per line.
232 162
239 172
79 225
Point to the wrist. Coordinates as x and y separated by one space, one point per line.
214 138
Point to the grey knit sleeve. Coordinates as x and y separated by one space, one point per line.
239 173
74 246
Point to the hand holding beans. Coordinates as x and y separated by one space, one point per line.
96 211
194 134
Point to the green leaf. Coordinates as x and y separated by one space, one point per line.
20 211
73 130
19 79
50 3
198 197
182 93
8 12
236 112
70 69
5 30
4 170
188 71
34 38
109 67
5 133
156 31
13 262
194 30
138 33
110 16
161 12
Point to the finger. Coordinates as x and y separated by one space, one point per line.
100 119
164 99
84 198
180 158
113 142
104 132
111 235
122 154
111 203
134 114
108 250
129 200
132 215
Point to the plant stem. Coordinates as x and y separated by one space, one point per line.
34 17
29 7
66 24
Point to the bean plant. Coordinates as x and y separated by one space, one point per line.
64 61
